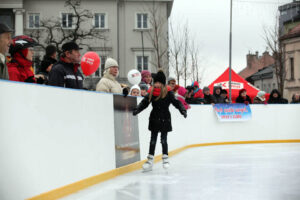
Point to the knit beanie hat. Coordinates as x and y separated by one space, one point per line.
144 87
135 87
110 62
145 73
260 95
160 77
171 79
205 89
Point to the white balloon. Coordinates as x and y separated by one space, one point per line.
134 77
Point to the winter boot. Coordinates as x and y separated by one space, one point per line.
147 166
166 163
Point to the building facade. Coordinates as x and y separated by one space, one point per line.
128 27
291 46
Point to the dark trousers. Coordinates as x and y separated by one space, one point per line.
163 140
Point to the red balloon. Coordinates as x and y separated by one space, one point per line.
90 62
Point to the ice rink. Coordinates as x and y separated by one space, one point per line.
231 172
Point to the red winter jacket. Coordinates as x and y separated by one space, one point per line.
20 69
197 93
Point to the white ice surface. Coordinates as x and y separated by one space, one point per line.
248 172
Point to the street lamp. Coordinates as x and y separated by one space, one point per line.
230 50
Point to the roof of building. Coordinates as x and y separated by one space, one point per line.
265 73
294 32
247 72
255 63
293 4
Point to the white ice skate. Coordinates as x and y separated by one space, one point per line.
147 166
166 163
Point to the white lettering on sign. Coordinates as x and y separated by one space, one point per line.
234 85
135 74
90 61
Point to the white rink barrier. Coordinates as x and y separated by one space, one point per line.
51 137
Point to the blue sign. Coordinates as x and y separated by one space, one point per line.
233 112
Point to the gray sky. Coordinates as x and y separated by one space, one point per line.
209 22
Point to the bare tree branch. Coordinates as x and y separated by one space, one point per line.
52 32
273 42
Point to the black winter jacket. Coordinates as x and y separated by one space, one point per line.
208 99
66 75
46 62
217 97
160 117
240 99
278 100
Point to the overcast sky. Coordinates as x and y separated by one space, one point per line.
209 21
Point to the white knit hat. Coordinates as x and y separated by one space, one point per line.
135 87
110 62
260 95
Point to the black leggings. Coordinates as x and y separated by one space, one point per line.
163 140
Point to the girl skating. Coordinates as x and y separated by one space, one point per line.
160 118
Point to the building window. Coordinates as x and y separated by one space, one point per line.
292 68
34 20
284 12
67 20
100 70
142 21
100 20
142 64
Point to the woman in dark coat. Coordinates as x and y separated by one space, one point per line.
160 118
243 97
275 98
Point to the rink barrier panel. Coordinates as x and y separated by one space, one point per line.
77 152
85 183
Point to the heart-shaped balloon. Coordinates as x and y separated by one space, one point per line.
90 62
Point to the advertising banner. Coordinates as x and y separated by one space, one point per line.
126 131
232 112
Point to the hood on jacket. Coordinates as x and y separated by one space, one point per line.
215 89
181 91
241 91
195 84
273 92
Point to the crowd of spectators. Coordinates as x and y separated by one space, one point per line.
63 71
